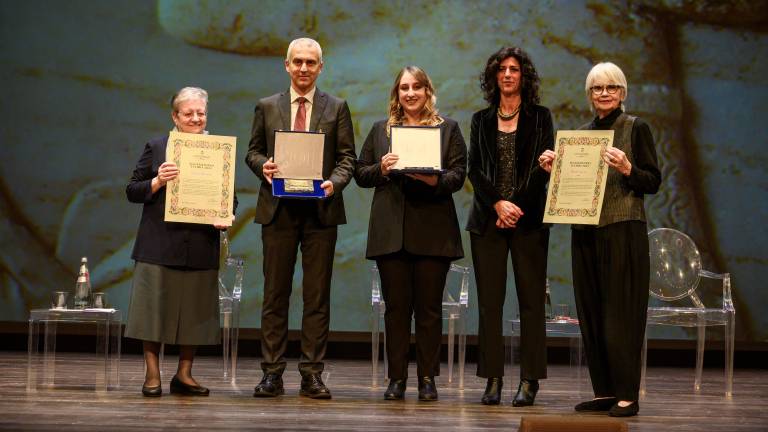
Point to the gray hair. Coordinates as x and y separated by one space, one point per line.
188 93
304 41
611 74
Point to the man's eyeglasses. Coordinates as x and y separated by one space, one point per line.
610 89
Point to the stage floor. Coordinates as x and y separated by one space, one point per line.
669 405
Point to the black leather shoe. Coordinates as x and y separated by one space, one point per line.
427 389
492 395
602 404
178 387
312 387
271 385
627 411
526 393
395 389
155 391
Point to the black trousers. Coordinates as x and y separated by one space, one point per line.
412 285
296 225
528 249
610 278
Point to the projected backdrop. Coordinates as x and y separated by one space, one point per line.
87 83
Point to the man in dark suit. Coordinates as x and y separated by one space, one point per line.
290 223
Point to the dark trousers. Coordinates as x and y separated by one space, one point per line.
296 224
610 278
528 249
412 285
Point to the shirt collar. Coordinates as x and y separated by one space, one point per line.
310 96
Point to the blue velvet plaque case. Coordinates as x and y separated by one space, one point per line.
278 190
299 153
421 136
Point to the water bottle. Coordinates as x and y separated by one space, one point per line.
83 286
548 302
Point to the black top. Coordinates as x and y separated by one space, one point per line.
505 176
534 135
408 214
645 176
173 244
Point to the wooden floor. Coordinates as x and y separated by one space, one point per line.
670 404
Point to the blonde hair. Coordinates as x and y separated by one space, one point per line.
608 73
188 93
429 116
304 41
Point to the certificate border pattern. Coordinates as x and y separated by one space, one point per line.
577 141
226 148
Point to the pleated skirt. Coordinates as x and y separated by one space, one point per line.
171 306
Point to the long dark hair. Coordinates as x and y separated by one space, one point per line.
529 85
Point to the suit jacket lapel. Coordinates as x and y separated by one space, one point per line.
490 128
525 126
317 110
284 105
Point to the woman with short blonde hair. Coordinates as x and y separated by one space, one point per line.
610 261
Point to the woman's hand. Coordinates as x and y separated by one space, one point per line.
430 179
546 159
508 214
223 227
269 169
618 160
165 173
387 162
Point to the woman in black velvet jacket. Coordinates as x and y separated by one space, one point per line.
506 219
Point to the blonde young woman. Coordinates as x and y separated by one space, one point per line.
413 233
610 261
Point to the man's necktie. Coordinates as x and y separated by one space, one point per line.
300 124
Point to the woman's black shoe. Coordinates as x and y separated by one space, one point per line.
155 391
602 404
526 393
178 387
395 390
427 389
492 395
627 411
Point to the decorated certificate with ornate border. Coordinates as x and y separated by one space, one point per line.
204 190
577 182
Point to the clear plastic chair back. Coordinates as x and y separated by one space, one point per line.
675 264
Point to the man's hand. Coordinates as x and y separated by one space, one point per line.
327 187
269 169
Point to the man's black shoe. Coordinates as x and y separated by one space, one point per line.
312 387
271 385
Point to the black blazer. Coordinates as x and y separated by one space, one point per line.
534 135
329 115
194 246
409 214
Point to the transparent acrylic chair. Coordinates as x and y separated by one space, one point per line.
230 293
675 275
455 309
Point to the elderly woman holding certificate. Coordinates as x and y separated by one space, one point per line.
610 261
174 298
413 233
